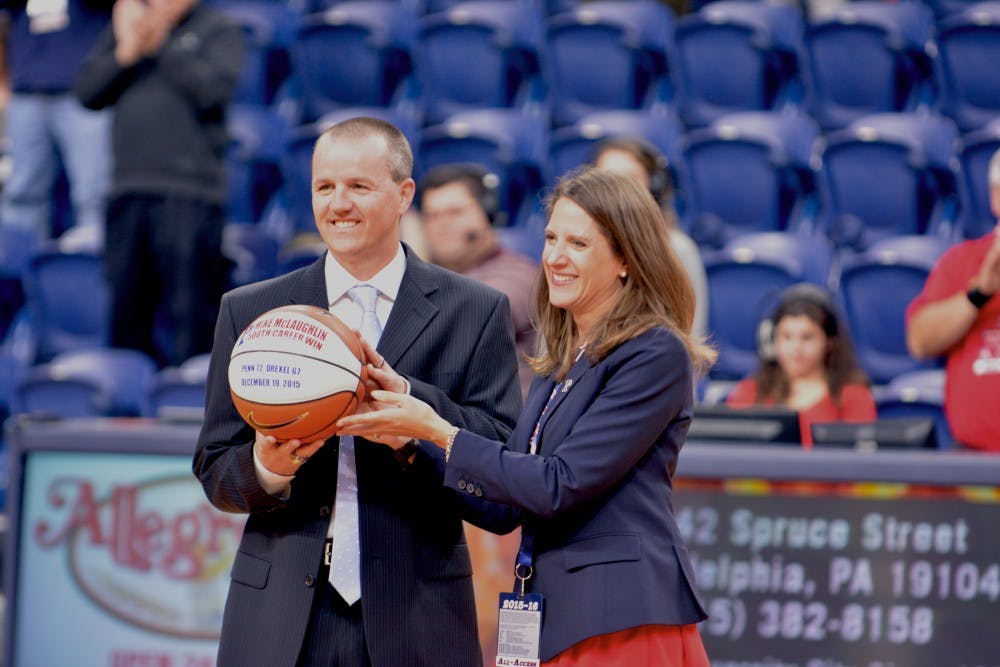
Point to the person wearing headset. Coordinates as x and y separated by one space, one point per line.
637 158
807 364
460 209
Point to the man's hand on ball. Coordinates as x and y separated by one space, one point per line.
380 374
283 458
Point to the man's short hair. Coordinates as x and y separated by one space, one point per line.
994 173
400 154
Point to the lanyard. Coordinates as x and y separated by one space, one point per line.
523 569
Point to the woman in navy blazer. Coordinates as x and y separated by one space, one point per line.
588 470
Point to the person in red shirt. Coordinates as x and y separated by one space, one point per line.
807 364
958 315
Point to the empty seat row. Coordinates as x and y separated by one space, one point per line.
864 57
882 175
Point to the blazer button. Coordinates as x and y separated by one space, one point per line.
324 510
461 484
310 581
479 492
471 488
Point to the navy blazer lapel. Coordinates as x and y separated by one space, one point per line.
575 373
411 312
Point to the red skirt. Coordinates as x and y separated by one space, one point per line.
644 646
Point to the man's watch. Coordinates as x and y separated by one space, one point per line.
977 297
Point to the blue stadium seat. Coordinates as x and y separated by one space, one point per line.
268 28
572 145
745 280
737 56
252 250
608 55
969 49
944 8
974 154
302 252
869 57
748 172
506 142
917 394
875 288
87 382
68 299
378 36
180 388
480 54
257 137
888 175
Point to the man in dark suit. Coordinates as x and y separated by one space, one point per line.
442 338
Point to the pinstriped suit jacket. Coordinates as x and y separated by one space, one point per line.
453 340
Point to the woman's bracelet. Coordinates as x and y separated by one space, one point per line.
449 441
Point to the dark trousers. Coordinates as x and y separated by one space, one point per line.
336 634
163 259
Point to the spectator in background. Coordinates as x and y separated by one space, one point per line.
460 205
807 364
44 122
169 68
637 158
958 315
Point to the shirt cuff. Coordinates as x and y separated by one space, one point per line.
276 485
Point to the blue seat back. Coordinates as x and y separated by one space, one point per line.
479 54
974 154
969 48
868 57
736 56
875 289
747 172
377 35
888 175
607 55
68 298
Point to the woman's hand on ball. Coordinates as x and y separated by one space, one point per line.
394 414
283 458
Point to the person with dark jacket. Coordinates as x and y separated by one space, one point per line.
169 69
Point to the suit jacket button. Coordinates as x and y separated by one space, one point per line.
310 581
461 484
324 510
471 488
479 492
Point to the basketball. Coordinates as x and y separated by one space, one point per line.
295 371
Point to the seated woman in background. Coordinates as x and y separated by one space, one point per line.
807 364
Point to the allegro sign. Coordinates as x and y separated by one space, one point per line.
155 555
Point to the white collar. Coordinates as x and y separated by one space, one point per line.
386 281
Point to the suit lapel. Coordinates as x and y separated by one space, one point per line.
310 289
411 312
574 375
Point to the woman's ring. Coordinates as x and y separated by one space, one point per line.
298 460
381 363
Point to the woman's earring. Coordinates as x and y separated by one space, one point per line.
623 275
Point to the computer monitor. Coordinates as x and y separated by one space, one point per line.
757 423
886 433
